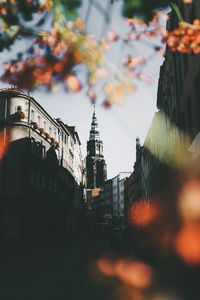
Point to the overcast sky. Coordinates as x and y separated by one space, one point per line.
120 125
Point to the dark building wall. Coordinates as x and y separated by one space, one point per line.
179 107
108 198
36 195
155 175
179 82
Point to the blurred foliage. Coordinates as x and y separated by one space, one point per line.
15 16
57 44
142 8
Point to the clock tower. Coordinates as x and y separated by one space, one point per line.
95 163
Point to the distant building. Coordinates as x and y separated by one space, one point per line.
108 199
40 170
108 202
118 193
95 164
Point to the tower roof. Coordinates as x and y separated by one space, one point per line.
94 131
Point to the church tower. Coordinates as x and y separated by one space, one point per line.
95 163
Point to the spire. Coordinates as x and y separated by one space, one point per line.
94 132
137 141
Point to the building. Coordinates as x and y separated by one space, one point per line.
133 183
118 197
108 202
164 161
174 129
108 199
40 171
95 164
172 141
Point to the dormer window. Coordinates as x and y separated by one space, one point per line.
19 108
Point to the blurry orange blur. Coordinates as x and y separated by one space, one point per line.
73 83
136 274
165 239
124 292
58 67
189 200
133 273
96 192
143 213
107 267
187 243
4 141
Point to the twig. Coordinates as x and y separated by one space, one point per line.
176 9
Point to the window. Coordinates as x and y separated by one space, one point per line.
45 125
39 150
32 146
26 109
71 142
43 181
97 149
32 115
50 131
43 151
55 135
63 153
59 157
60 174
50 184
39 121
54 187
37 179
67 179
32 178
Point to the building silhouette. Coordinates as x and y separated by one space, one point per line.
95 164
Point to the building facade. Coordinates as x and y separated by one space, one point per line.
133 183
40 171
118 197
175 127
164 162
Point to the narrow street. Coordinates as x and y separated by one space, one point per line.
55 272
